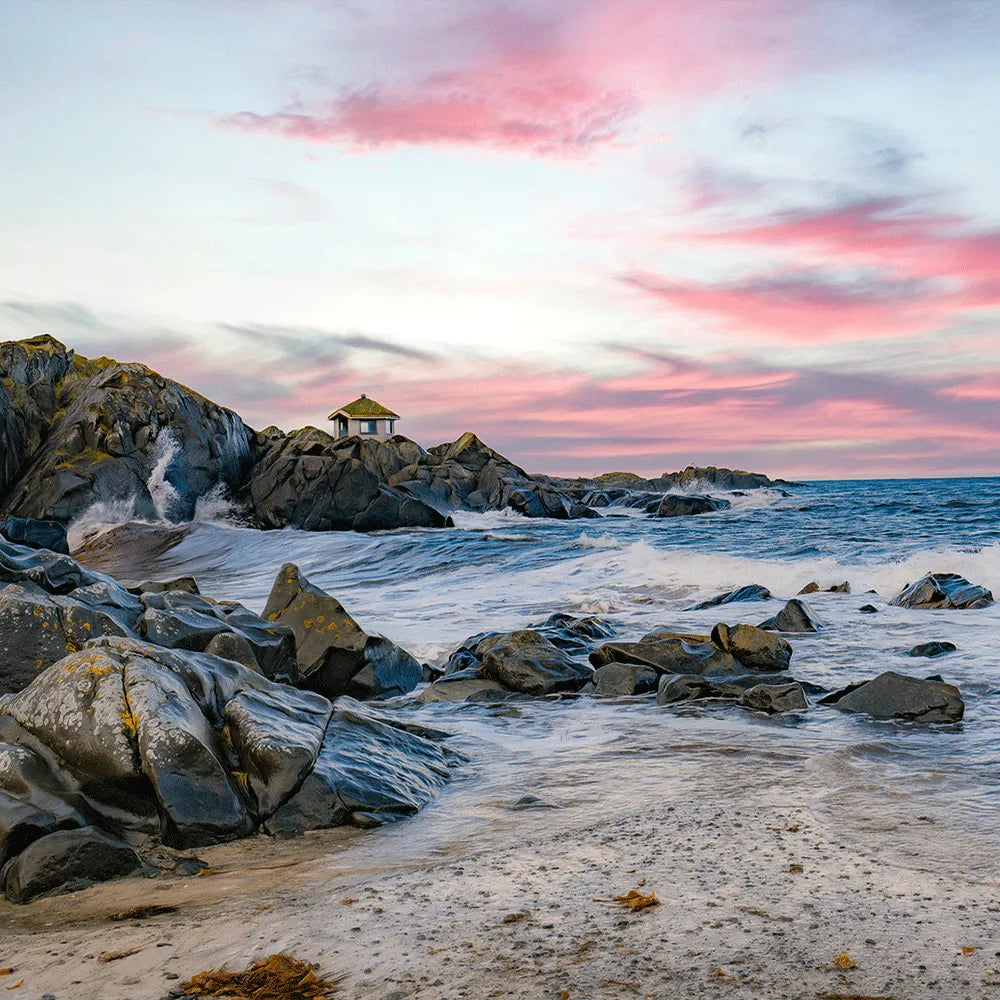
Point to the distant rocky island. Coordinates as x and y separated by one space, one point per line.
75 433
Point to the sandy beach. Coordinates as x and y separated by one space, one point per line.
759 894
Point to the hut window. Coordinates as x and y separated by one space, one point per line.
369 427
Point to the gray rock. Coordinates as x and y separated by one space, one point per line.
932 649
526 661
943 590
897 696
751 592
674 688
66 861
795 616
686 504
618 679
755 648
335 655
668 652
774 698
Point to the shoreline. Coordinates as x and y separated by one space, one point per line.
522 910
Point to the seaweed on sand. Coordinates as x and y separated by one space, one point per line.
279 977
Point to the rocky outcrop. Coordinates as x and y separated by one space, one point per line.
127 433
335 655
770 698
310 480
932 649
897 696
182 748
528 662
943 590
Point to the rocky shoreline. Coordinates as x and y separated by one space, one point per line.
78 434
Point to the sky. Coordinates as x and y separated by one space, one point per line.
602 234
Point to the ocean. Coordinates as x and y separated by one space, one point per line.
430 589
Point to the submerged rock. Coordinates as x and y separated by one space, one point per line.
932 649
686 504
897 696
335 655
795 616
750 592
943 590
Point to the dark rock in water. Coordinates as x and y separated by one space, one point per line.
574 635
526 802
897 696
66 861
464 685
751 592
526 661
668 652
795 616
674 688
868 609
618 679
184 584
943 590
49 535
774 698
335 655
932 649
840 588
684 504
755 648
369 771
810 588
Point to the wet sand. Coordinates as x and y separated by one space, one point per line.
759 894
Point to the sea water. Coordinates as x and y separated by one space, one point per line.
430 589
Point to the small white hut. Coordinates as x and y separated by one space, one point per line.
364 417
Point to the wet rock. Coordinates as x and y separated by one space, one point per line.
775 698
897 696
619 679
840 588
183 584
795 616
526 802
49 535
528 662
868 609
755 648
686 504
932 649
668 652
335 655
369 771
464 685
674 688
942 590
33 801
66 861
750 592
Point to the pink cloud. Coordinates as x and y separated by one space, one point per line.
510 77
870 270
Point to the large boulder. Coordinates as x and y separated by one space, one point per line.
897 696
686 504
335 655
66 861
128 433
370 770
943 590
621 679
755 648
671 653
528 662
